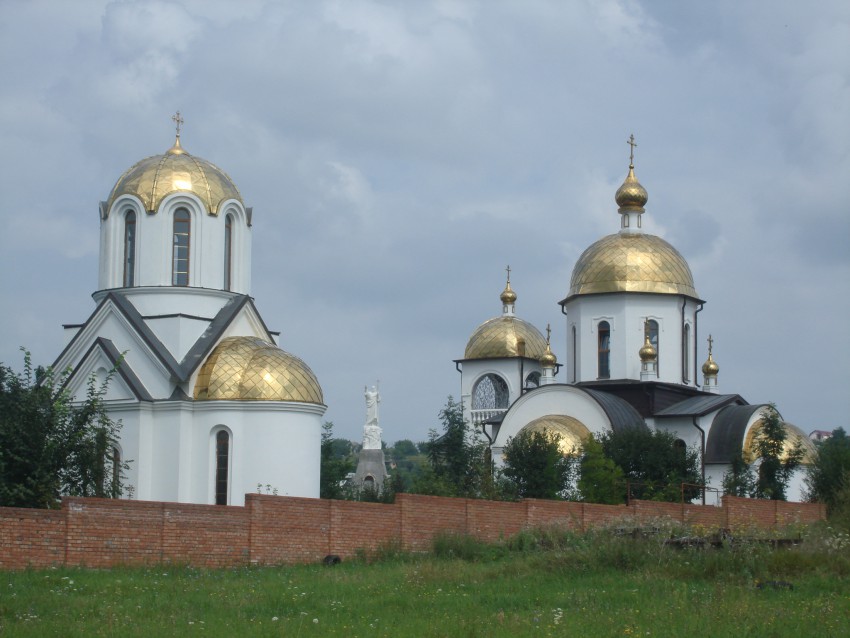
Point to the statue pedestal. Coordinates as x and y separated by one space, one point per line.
371 470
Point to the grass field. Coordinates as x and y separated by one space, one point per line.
541 583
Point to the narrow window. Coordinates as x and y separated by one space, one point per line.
604 330
532 381
228 251
116 472
129 249
652 327
575 357
180 255
686 353
222 458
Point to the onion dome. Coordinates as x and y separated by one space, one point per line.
632 262
505 336
631 196
251 369
155 177
571 432
647 352
508 296
548 360
710 367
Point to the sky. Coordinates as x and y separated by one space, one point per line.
399 155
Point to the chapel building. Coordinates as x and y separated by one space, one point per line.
631 317
211 407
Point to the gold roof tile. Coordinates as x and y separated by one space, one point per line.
250 369
632 262
155 177
502 337
573 432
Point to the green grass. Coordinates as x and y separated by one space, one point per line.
545 582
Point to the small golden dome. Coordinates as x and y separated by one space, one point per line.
710 367
508 296
250 369
155 177
647 352
571 431
505 336
548 360
632 262
631 196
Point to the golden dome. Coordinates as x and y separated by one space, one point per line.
250 369
631 196
153 178
573 432
548 360
632 262
508 295
710 367
647 352
794 436
505 336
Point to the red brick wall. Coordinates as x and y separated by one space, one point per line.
281 529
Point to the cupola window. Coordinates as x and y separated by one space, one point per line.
228 252
652 330
604 330
180 249
574 355
489 398
686 353
129 249
222 462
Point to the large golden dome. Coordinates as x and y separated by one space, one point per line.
632 262
794 436
571 431
153 178
250 369
505 336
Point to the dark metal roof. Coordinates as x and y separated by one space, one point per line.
726 436
700 405
621 414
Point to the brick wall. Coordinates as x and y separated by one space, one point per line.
279 529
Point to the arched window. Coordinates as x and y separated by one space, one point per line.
129 249
686 353
116 471
490 393
222 463
652 329
604 350
228 252
575 356
180 254
532 381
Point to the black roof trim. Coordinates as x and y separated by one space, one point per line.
726 436
118 363
700 405
564 301
622 414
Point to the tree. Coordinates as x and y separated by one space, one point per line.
335 464
654 463
600 479
739 480
534 463
456 458
830 472
777 465
52 446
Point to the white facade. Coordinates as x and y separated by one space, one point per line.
203 393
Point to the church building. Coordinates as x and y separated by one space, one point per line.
211 407
631 316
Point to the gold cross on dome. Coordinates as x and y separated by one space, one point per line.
178 120
548 333
710 343
508 268
632 143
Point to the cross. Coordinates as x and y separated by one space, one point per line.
710 342
548 333
178 120
632 143
509 273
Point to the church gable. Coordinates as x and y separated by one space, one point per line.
100 363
